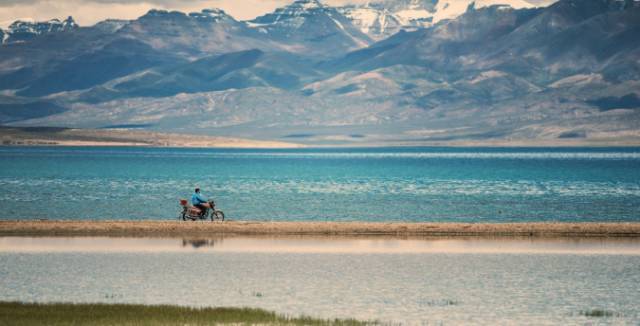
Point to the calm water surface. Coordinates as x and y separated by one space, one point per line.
432 281
386 184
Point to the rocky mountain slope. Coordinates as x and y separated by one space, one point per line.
569 72
194 35
310 27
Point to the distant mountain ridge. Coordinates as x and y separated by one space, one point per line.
566 72
21 31
376 19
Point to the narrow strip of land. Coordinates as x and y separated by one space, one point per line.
51 136
176 228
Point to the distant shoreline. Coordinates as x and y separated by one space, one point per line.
53 136
249 144
395 230
301 146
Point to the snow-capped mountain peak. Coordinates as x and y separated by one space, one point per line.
294 15
383 18
311 22
291 13
25 29
211 15
53 25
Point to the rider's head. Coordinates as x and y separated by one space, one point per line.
197 190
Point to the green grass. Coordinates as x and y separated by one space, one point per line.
15 313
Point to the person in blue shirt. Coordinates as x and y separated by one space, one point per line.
197 200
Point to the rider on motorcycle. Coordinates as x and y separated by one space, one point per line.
200 202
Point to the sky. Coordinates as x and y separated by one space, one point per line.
88 12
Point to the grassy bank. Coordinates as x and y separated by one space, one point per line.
14 313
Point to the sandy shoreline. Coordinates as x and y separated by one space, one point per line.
398 230
51 136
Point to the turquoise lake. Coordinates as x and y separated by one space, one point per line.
381 184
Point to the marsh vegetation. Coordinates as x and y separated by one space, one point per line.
16 313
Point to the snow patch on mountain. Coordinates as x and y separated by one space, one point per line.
380 19
450 9
378 23
213 14
309 4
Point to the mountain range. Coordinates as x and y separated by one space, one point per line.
386 72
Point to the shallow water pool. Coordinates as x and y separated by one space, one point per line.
411 281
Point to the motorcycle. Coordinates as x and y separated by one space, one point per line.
194 213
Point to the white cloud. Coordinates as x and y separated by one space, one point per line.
89 12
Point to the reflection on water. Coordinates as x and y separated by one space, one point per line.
455 281
328 245
199 243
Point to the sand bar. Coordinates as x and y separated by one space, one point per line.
181 229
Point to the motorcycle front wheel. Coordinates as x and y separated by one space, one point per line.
217 215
